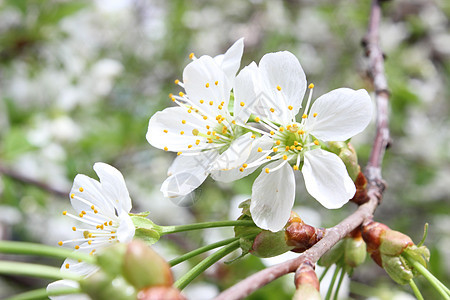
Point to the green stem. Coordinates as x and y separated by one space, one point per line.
42 294
439 286
333 280
341 278
196 226
205 264
425 233
415 290
34 270
324 273
200 250
43 250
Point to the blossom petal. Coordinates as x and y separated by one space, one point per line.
113 186
231 60
200 78
62 285
126 229
326 178
86 192
341 114
167 129
264 142
286 82
273 196
236 154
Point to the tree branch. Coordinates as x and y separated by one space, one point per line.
376 184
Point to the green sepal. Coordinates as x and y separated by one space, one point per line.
420 254
146 230
270 244
348 155
110 260
355 251
397 268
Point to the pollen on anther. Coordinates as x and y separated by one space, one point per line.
268 157
272 132
60 243
165 131
201 101
67 266
275 149
181 132
80 215
278 142
74 228
179 153
191 56
253 136
259 149
205 117
207 85
89 242
315 115
257 119
72 196
177 81
316 142
241 169
278 87
295 143
189 146
311 86
301 131
295 167
64 212
216 83
281 129
233 122
304 116
197 142
81 189
272 109
290 107
165 148
287 148
242 103
183 121
285 157
211 102
299 148
244 165
267 170
77 247
95 211
181 94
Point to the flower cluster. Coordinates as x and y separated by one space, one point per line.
228 126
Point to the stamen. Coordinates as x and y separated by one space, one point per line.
191 56
278 87
81 189
242 104
267 170
216 83
316 142
207 85
315 115
177 81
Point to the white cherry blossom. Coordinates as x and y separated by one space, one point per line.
274 92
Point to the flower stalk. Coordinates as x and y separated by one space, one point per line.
196 226
35 270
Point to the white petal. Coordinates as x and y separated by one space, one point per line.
126 229
265 142
183 162
91 193
341 114
326 178
171 119
81 268
282 69
231 60
64 284
273 196
247 91
199 78
113 186
236 154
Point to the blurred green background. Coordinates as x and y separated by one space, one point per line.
79 81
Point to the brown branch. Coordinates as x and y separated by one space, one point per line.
376 185
27 180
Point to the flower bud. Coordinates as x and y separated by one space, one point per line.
110 259
143 267
360 196
355 249
103 286
303 236
347 153
160 293
306 282
269 244
397 268
394 242
332 256
372 233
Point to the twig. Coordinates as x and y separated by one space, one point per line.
376 184
27 180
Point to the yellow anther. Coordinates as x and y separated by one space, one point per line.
201 101
67 266
197 142
205 117
216 83
267 170
268 157
81 189
272 132
285 157
295 143
301 131
191 56
281 129
278 87
207 85
179 153
173 99
288 127
60 243
77 247
72 196
74 228
244 165
181 94
299 148
181 132
290 107
233 122
83 212
170 95
110 223
257 119
304 116
219 107
183 121
189 111
177 81
208 133
211 102
95 211
92 207
253 136
295 167
81 215
272 109
241 169
278 142
315 115
287 148
275 149
259 149
311 86
189 146
242 103
165 131
316 142
292 148
89 242
165 148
